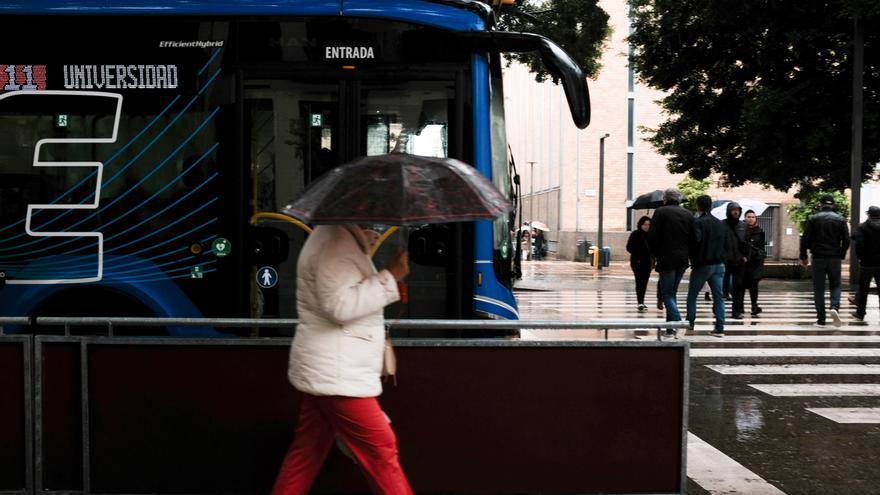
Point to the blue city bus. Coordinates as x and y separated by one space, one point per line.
146 145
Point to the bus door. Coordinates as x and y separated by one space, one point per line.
292 137
411 116
297 131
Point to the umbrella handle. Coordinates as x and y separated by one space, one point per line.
403 243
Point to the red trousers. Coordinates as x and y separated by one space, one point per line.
359 422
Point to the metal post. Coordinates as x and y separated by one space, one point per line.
857 124
532 194
601 193
561 176
577 180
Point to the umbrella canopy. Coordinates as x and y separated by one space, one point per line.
719 211
648 201
540 226
399 189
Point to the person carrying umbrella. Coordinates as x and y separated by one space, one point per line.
336 357
540 244
736 258
640 260
670 236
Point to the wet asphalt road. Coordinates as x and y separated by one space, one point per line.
797 444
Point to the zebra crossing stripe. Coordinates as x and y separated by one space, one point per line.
796 369
848 415
718 473
786 339
786 352
788 328
819 389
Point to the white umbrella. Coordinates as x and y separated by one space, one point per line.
720 212
540 226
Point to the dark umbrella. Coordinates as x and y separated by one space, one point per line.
648 201
399 189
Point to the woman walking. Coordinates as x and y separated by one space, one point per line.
336 360
640 259
754 268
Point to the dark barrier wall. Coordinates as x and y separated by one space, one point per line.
13 430
60 405
507 418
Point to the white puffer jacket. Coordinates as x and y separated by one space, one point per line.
339 342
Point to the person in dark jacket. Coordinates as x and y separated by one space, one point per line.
540 244
867 238
670 236
640 259
826 236
709 247
755 254
735 265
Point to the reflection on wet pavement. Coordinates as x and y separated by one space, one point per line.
748 417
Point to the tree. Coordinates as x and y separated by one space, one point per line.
759 91
692 189
580 27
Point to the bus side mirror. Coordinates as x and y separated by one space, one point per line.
267 246
554 58
430 245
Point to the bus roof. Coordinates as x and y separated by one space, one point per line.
457 15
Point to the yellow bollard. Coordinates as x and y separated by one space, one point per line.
594 256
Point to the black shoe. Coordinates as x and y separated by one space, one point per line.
670 332
717 333
659 304
819 323
737 316
756 310
857 317
707 296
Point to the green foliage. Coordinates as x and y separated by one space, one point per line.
580 27
759 91
810 204
692 189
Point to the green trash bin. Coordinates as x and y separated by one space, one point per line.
582 250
